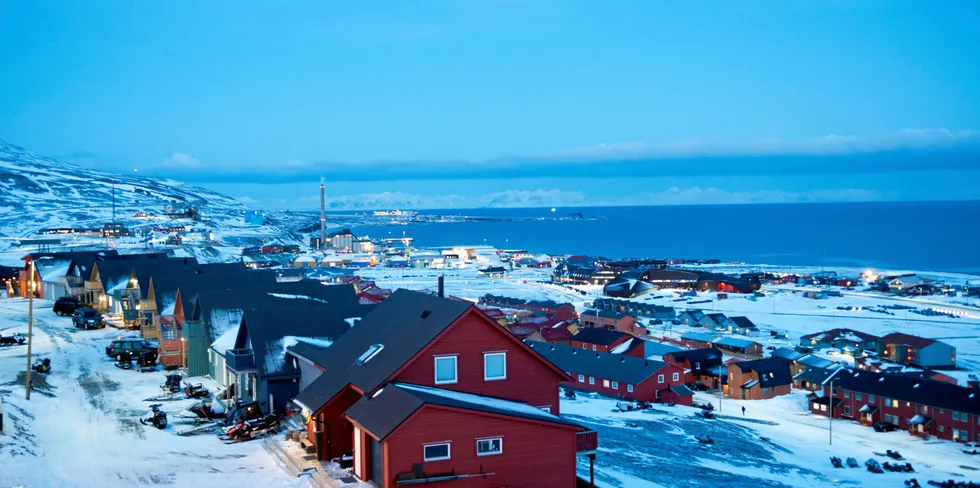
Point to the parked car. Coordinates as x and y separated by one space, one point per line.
882 426
65 305
971 448
133 346
88 318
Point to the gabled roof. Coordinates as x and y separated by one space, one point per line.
743 322
717 317
908 340
819 376
594 335
699 337
708 356
932 393
383 413
772 371
832 335
403 325
787 353
733 342
626 369
654 348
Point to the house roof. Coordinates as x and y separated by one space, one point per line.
908 340
606 314
699 337
816 375
938 394
654 348
815 361
733 342
787 353
708 356
594 335
383 413
717 317
832 335
626 369
403 325
743 322
772 371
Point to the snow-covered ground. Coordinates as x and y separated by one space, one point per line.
777 443
81 426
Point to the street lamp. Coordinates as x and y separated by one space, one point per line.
30 328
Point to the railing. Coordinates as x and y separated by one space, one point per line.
586 442
240 360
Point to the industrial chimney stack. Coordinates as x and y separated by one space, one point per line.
323 219
442 286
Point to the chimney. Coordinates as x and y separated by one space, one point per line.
323 219
442 286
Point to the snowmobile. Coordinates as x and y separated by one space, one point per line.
836 462
251 429
570 394
243 412
873 466
146 362
124 360
705 414
172 385
206 414
852 463
894 455
196 391
157 417
12 340
42 365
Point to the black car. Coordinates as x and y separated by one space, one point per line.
882 426
65 305
135 347
88 318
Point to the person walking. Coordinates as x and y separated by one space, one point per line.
743 410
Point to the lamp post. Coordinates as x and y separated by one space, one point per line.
30 328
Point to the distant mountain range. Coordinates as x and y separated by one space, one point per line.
38 192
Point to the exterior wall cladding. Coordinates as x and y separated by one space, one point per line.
899 413
587 346
528 379
646 391
525 451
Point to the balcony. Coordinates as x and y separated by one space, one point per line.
586 442
240 360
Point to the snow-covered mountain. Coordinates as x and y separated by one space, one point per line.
38 192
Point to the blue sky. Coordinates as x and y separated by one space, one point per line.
505 102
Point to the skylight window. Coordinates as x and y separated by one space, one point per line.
370 353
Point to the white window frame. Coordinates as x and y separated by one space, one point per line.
660 378
615 385
581 378
677 376
593 347
496 453
449 451
629 388
605 383
487 355
435 372
591 380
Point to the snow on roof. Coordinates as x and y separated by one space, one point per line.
306 259
50 271
622 347
169 305
516 407
223 320
297 297
275 355
225 341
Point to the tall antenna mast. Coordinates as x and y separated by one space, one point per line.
323 219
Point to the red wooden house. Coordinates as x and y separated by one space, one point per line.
427 389
602 340
619 375
608 319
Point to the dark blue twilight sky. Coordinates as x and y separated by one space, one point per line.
438 103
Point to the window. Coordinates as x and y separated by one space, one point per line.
605 383
495 366
925 409
435 452
615 385
489 447
823 408
847 395
847 410
593 347
765 391
629 388
660 378
857 396
677 376
697 365
942 428
585 346
591 380
370 353
445 369
956 416
581 378
894 403
871 398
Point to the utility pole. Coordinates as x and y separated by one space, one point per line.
830 411
721 393
30 329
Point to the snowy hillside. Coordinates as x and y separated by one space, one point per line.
37 192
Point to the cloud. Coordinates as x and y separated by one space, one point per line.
181 160
247 200
533 198
715 196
